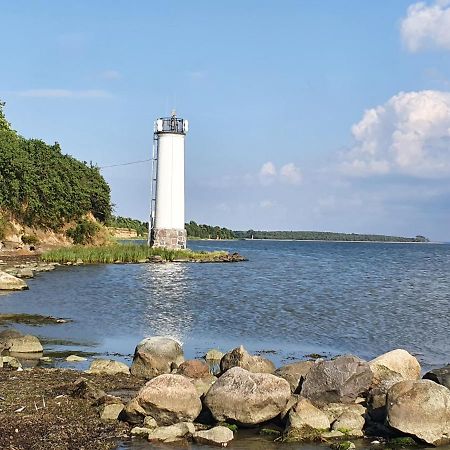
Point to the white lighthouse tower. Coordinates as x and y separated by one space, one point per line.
166 226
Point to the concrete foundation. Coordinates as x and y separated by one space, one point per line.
168 238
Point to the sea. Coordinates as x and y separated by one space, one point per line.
290 299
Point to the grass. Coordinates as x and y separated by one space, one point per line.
125 253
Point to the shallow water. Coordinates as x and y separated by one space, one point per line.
288 300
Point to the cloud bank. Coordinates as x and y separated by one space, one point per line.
408 135
288 174
427 26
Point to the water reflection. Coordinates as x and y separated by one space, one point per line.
166 309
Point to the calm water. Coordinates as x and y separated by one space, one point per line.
289 299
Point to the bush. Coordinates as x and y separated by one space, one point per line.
30 239
84 232
5 227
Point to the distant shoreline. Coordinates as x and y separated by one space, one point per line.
315 240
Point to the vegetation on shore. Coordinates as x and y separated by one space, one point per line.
42 187
141 228
126 253
207 231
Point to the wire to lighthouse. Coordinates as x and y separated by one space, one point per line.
166 221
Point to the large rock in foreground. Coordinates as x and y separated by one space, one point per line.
440 376
11 283
420 408
397 362
247 398
239 357
169 399
155 356
340 380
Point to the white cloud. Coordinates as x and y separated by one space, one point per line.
267 173
290 174
64 93
409 135
427 26
111 75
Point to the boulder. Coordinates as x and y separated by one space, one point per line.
169 399
155 356
11 283
421 409
108 366
351 423
213 355
12 362
202 385
194 369
398 361
25 273
75 358
440 376
111 411
305 415
172 433
335 410
247 398
133 412
239 357
340 380
295 374
218 436
15 342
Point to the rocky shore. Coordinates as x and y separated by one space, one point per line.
163 398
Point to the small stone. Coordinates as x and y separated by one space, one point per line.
213 355
150 422
75 358
218 436
12 362
111 411
172 433
140 431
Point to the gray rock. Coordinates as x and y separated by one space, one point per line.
11 362
75 358
150 422
239 357
305 415
155 356
15 342
111 411
421 409
335 410
202 385
295 374
11 283
247 398
340 380
218 436
25 273
169 399
108 366
172 433
440 376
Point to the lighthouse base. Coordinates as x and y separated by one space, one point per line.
168 238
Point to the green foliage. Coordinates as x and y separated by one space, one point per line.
39 186
84 232
30 239
400 442
323 236
4 124
127 222
207 231
125 253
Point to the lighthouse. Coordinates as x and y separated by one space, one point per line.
166 225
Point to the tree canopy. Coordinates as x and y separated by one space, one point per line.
40 186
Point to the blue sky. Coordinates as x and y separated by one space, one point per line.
303 114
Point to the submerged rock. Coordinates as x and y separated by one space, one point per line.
247 398
421 409
155 356
340 380
168 399
11 283
239 357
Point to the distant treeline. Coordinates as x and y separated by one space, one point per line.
208 232
324 236
127 222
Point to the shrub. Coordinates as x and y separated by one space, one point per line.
30 239
84 232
